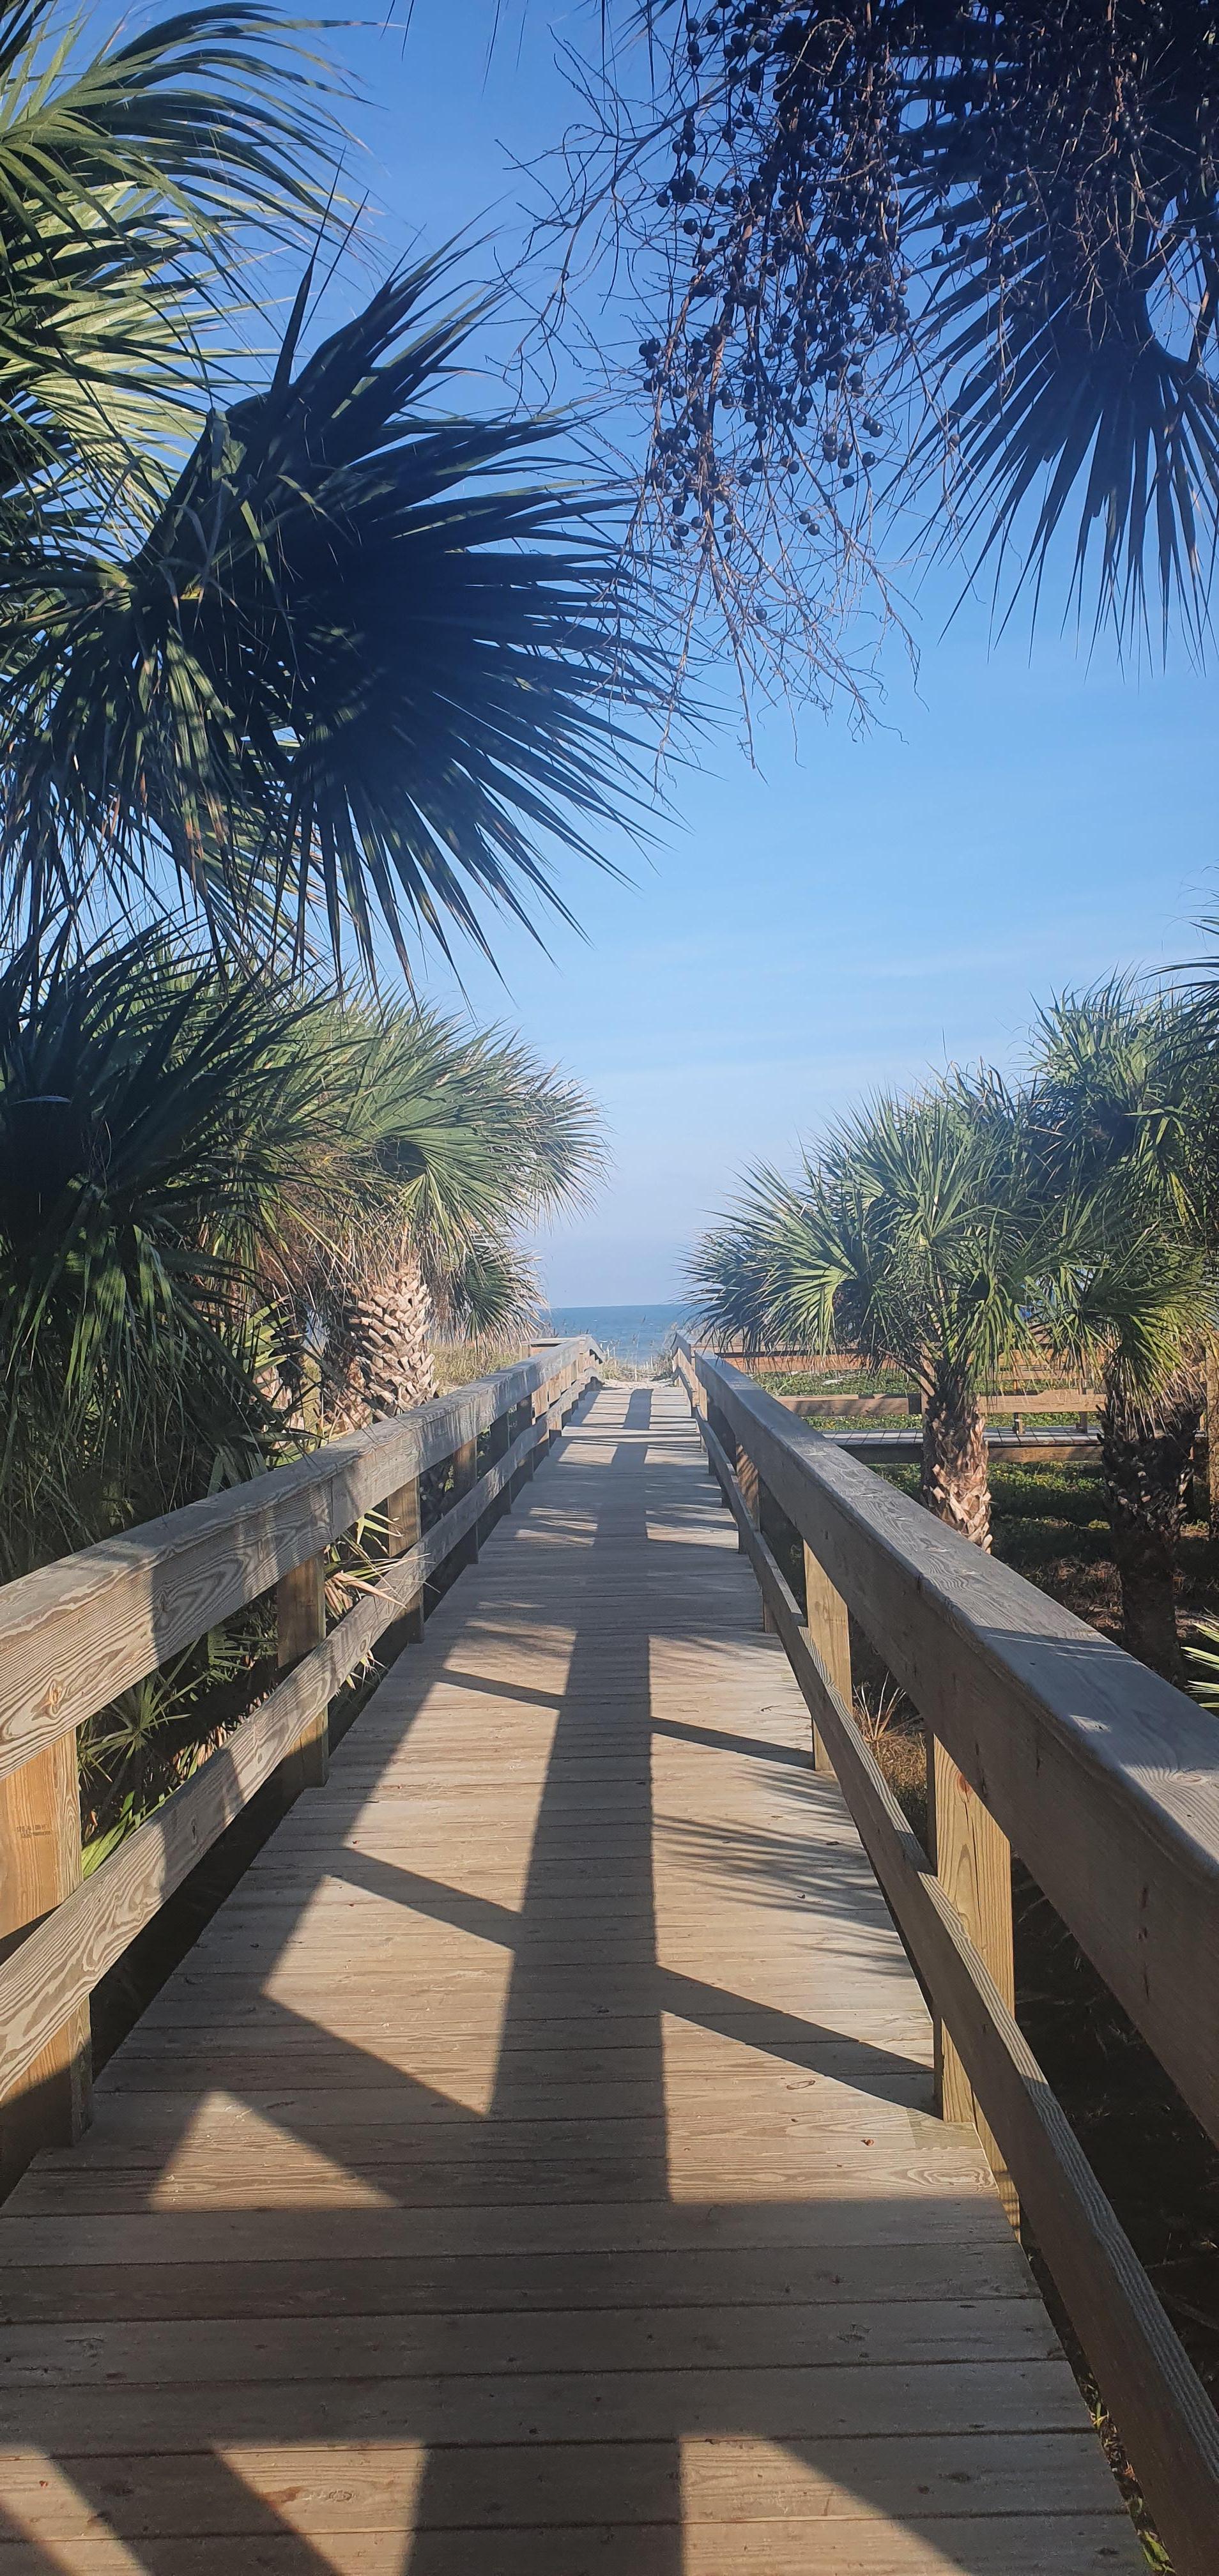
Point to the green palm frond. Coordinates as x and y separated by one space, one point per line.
358 669
130 179
493 1294
1202 1663
1121 1117
457 1139
151 1119
912 1239
1121 1103
1065 169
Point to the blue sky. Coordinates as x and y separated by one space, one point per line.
851 910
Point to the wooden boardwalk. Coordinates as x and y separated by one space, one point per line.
532 2171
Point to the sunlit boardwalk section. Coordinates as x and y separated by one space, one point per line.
532 2171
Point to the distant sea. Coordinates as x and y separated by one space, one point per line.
632 1333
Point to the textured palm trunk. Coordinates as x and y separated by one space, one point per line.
380 1359
1147 1463
956 1477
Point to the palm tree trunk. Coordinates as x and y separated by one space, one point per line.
956 1477
380 1359
1147 1463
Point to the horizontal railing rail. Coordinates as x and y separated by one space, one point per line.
1081 1403
76 1633
1044 1735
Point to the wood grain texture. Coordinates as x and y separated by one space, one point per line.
403 1526
46 2101
973 1862
74 1634
300 1619
1165 2417
829 1631
533 2168
1103 1777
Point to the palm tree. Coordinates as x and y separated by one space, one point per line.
912 1239
316 657
1121 1109
152 1119
208 1182
448 1142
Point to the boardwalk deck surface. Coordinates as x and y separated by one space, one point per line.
531 2172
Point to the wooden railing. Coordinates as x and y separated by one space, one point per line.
1045 1736
76 1633
1082 1404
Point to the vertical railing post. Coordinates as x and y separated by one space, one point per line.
518 1420
973 1862
403 1530
542 1444
465 1474
747 1479
543 1398
719 1425
829 1629
751 1491
39 1867
300 1614
498 1439
525 1416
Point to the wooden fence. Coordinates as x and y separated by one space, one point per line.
1083 1403
1044 1736
76 1633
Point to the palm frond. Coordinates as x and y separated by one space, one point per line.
130 180
150 1118
359 669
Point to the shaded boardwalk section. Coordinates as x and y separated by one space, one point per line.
531 2172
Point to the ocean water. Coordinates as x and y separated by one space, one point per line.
635 1334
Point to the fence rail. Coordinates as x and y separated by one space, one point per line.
1082 1403
76 1633
1042 1735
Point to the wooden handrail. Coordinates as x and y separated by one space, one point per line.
1105 1778
74 1634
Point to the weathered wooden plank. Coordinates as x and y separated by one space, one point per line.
95 2287
1006 2546
300 1618
1014 2397
46 2101
361 2486
900 2333
973 1863
829 1630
